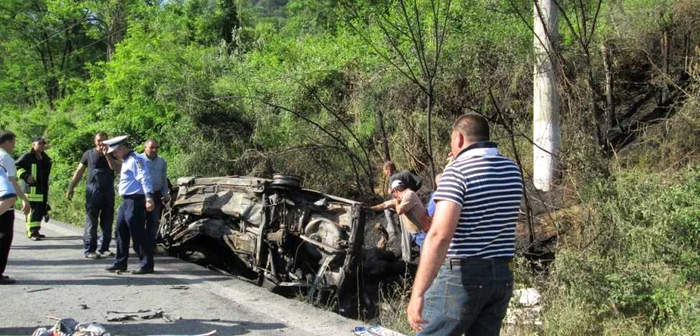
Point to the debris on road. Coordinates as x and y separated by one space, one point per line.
140 314
158 314
38 290
71 327
375 330
182 287
129 312
122 318
84 306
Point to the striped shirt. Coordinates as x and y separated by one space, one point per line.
488 187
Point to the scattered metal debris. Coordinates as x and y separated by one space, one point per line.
182 287
129 312
122 318
158 314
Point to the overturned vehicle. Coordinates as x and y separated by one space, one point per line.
273 231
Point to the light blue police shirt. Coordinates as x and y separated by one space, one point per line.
134 177
159 173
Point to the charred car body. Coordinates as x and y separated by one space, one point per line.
281 234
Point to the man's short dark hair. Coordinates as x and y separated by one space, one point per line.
100 134
473 126
6 136
389 165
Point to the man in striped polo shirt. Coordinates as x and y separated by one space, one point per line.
464 280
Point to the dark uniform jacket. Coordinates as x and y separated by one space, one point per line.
29 164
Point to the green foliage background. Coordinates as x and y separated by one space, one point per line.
265 86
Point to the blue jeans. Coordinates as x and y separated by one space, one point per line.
468 296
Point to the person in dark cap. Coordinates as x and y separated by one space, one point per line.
136 190
99 196
34 168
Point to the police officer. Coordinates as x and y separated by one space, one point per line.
136 190
99 198
34 169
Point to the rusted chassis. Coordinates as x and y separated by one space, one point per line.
285 235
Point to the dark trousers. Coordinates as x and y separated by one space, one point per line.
36 215
468 297
153 218
131 225
7 225
98 212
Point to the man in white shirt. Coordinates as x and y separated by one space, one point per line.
7 220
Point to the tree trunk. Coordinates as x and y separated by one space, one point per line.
609 99
545 101
385 140
430 133
665 64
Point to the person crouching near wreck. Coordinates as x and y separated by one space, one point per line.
414 218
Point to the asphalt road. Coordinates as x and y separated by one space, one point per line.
55 279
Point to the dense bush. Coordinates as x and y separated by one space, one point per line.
635 269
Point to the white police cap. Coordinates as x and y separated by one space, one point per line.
115 142
396 184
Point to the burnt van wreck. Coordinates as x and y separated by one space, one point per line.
273 231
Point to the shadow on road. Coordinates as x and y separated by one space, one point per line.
47 247
24 331
79 238
117 280
99 263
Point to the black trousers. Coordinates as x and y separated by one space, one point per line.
36 215
99 211
7 226
131 225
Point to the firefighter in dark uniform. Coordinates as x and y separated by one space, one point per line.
99 196
34 169
136 190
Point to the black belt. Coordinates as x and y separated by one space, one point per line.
452 262
134 196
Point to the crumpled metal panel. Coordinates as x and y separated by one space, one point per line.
222 195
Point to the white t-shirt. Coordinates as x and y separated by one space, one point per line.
7 171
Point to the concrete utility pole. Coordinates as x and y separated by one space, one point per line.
545 100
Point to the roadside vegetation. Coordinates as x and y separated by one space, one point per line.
327 90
